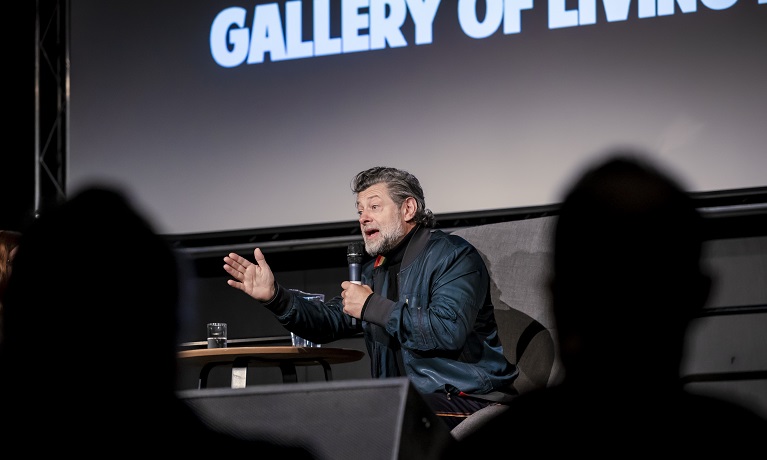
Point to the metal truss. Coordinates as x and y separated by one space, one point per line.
51 102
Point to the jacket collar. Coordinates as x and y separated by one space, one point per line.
416 245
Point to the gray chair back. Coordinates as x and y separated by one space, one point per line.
517 254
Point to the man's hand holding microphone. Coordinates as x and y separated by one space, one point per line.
354 294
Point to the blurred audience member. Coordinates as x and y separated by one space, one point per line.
627 279
89 363
9 242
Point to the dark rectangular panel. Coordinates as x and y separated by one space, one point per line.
349 419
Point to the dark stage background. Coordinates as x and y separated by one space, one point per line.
262 154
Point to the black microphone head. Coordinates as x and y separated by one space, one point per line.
354 252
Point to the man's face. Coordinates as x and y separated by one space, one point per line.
382 222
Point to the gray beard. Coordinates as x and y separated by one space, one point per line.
388 243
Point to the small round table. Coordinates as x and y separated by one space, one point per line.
284 357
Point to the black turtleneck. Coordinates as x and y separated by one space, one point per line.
393 263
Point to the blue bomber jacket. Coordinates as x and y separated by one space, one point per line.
442 322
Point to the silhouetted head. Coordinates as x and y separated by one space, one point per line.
91 326
627 274
89 278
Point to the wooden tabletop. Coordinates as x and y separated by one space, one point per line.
277 353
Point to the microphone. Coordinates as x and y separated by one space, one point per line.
354 257
354 254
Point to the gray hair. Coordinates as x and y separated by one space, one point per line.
401 185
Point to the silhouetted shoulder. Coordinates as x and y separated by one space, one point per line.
566 421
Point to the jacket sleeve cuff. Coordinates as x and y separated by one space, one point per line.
377 309
280 303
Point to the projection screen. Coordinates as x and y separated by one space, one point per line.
227 115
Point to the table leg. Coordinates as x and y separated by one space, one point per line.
203 380
240 372
239 376
288 372
326 368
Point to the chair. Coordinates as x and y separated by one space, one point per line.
517 257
